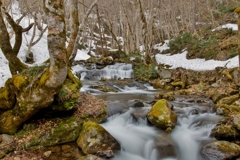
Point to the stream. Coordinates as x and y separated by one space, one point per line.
126 120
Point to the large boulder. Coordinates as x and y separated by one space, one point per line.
61 127
48 132
220 150
162 116
227 129
94 138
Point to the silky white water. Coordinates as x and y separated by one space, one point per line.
116 71
140 140
136 138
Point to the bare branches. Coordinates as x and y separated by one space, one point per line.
74 51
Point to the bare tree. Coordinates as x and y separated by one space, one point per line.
237 11
30 96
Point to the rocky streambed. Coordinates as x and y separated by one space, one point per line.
191 114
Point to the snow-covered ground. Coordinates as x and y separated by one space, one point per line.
40 53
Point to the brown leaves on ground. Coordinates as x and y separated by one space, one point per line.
25 155
91 106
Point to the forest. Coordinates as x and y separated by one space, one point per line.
44 114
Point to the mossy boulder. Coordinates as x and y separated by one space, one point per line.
227 129
49 132
220 150
162 116
94 138
229 100
224 109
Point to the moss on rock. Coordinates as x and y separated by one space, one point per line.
94 138
162 116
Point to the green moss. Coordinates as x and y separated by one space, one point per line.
162 116
19 81
4 93
51 132
44 78
237 10
9 150
145 72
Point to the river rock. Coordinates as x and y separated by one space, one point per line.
229 100
236 121
225 130
95 138
139 113
221 89
224 109
162 116
220 150
236 76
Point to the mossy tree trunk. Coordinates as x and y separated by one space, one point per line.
33 96
237 11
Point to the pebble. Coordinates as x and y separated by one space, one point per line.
47 154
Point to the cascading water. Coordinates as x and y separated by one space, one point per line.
142 141
116 71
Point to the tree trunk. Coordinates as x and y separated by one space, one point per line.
237 11
38 94
15 64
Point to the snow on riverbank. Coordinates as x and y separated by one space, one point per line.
40 52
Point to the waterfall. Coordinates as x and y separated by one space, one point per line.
116 71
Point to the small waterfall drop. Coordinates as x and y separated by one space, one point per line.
136 137
141 141
116 71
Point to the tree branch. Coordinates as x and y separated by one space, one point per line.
27 28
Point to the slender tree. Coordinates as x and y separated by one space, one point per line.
237 11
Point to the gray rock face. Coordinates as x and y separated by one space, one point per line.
94 138
220 150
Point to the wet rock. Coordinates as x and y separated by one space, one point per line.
220 150
93 75
139 113
162 116
95 138
115 108
136 84
165 146
135 104
105 154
